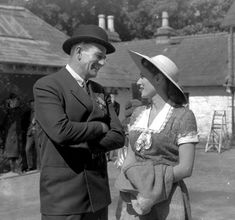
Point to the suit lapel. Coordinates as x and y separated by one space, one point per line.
77 91
89 101
97 96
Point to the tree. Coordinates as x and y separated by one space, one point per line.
67 15
145 15
133 18
187 17
206 16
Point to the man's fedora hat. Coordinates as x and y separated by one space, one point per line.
167 67
88 33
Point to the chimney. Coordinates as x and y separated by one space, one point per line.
102 21
165 32
111 23
165 17
112 34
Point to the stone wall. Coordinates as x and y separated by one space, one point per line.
204 101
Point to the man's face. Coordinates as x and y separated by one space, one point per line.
92 59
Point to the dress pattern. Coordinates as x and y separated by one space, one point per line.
171 127
159 142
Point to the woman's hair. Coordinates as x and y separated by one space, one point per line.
150 67
174 94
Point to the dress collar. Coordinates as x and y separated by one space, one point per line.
157 124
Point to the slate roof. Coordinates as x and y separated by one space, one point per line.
229 19
25 38
114 76
202 59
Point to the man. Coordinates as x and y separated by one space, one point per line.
14 132
77 125
31 147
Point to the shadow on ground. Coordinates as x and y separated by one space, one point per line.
211 188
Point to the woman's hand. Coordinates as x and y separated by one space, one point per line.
141 205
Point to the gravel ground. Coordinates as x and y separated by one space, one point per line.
211 188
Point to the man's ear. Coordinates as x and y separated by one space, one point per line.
78 49
78 52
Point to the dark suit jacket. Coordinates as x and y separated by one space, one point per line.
74 176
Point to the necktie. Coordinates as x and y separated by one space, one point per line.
86 87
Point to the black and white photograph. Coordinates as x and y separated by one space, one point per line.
117 110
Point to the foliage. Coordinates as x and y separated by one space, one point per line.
206 16
187 17
133 18
67 15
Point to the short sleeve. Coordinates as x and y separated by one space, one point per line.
187 129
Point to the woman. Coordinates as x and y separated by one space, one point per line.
162 139
14 135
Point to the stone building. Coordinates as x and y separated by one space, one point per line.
31 48
203 64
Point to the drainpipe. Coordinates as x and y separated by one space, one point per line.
231 78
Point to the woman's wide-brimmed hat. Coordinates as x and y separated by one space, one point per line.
167 67
90 34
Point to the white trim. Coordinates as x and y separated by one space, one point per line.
157 125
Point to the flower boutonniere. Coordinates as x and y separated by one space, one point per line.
100 101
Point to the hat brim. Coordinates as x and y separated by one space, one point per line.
67 45
137 58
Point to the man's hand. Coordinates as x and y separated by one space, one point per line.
105 127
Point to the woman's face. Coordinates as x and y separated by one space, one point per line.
146 88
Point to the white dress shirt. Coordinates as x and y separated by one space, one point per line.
78 78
